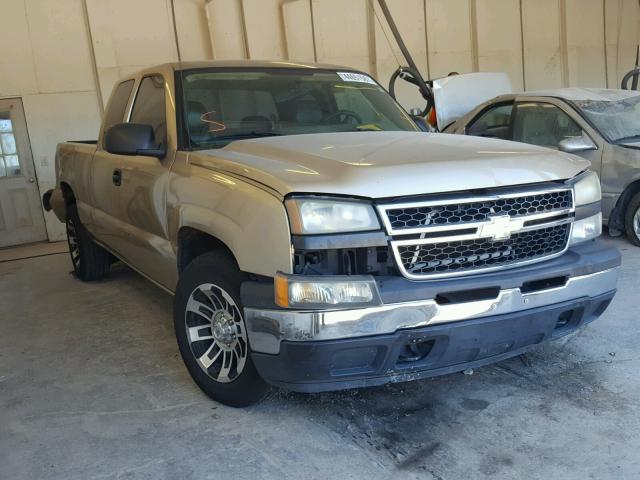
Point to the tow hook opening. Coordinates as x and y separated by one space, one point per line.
415 350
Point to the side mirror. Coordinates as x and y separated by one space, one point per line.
577 144
132 139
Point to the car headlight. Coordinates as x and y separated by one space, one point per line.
586 188
586 191
322 292
321 215
586 229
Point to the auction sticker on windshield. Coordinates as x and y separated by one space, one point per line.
356 77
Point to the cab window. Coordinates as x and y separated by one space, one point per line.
149 107
493 123
543 124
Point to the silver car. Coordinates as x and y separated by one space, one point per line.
601 125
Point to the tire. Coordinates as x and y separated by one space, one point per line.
211 332
632 220
90 261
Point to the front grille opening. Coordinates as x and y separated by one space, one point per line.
477 254
467 296
415 350
544 284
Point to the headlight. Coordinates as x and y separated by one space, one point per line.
587 188
295 291
312 216
586 229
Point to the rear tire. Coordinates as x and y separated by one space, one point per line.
90 261
211 333
632 220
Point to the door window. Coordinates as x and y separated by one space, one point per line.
543 124
493 123
9 164
149 107
117 105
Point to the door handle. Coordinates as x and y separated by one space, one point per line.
116 178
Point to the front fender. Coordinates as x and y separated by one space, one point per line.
252 223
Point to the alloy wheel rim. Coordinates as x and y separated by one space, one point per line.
636 223
216 333
74 246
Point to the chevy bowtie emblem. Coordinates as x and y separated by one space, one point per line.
500 227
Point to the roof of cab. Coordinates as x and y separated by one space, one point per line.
254 64
580 94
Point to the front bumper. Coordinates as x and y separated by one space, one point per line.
326 350
422 352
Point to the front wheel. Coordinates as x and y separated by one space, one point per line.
211 332
632 220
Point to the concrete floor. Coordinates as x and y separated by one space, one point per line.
92 387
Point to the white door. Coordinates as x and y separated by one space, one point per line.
21 217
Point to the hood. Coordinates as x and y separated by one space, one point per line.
387 164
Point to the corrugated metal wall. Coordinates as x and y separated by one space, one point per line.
540 43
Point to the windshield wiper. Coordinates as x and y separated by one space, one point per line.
245 135
627 139
367 128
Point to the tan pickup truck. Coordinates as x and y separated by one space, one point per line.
315 240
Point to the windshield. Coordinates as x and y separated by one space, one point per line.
225 105
617 120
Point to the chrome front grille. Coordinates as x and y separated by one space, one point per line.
450 214
451 236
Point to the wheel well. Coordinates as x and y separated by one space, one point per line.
617 216
193 243
67 193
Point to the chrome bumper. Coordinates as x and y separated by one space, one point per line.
267 328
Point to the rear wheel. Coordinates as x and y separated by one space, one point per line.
90 261
211 332
632 220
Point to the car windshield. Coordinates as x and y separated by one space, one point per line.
618 120
222 105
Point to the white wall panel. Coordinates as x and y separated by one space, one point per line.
622 25
226 29
409 17
265 37
499 39
55 118
17 69
129 36
193 31
342 32
542 50
585 43
298 30
449 36
60 46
